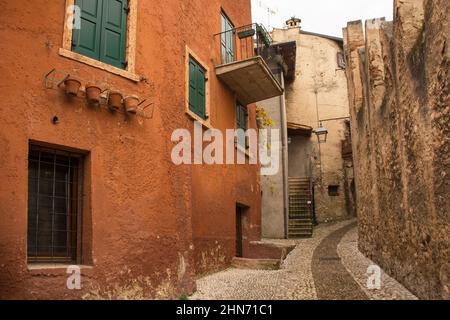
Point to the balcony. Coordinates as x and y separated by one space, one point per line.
242 66
347 151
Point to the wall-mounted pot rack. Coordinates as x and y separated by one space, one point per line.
55 79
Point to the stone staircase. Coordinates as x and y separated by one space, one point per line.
300 208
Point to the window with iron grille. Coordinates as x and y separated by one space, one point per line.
54 194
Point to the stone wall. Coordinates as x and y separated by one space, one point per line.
398 77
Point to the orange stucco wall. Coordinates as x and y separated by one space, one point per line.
149 226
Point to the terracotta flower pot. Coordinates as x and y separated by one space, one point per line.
72 86
93 94
114 100
131 104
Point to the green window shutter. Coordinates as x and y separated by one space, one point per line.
201 92
241 117
113 32
86 40
102 35
197 89
241 123
193 99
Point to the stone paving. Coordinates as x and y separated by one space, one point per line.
302 275
331 279
356 263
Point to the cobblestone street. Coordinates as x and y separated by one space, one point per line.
327 266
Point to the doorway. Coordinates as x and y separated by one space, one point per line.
239 234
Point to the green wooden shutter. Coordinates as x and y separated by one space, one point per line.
197 89
113 32
86 40
102 35
241 117
193 99
201 93
241 122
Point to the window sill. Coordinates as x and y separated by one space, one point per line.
53 266
98 64
206 123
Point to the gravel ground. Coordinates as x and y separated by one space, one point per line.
294 281
356 263
327 266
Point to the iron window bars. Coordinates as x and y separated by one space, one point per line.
54 203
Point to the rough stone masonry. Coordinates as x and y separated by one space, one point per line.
398 79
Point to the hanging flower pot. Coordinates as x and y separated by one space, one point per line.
114 100
72 86
131 104
93 94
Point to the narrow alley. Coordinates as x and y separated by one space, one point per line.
225 150
327 266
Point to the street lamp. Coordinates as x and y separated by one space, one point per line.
321 133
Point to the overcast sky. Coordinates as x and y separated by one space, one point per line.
320 16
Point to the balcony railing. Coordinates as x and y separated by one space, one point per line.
243 43
241 63
347 150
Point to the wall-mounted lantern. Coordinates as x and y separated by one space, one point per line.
321 133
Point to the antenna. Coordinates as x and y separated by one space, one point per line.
270 11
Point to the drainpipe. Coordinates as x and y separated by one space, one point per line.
284 155
318 125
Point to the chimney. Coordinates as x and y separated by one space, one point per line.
293 23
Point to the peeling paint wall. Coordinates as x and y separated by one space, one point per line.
398 78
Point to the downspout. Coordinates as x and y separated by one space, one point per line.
284 156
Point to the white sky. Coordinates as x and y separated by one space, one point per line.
320 16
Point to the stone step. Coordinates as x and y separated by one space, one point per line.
256 264
300 225
300 236
299 179
300 228
308 219
293 233
300 233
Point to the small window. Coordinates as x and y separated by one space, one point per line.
54 193
241 123
341 60
227 40
102 32
333 191
197 88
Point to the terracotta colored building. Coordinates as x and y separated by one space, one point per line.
86 184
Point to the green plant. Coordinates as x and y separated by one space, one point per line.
183 297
